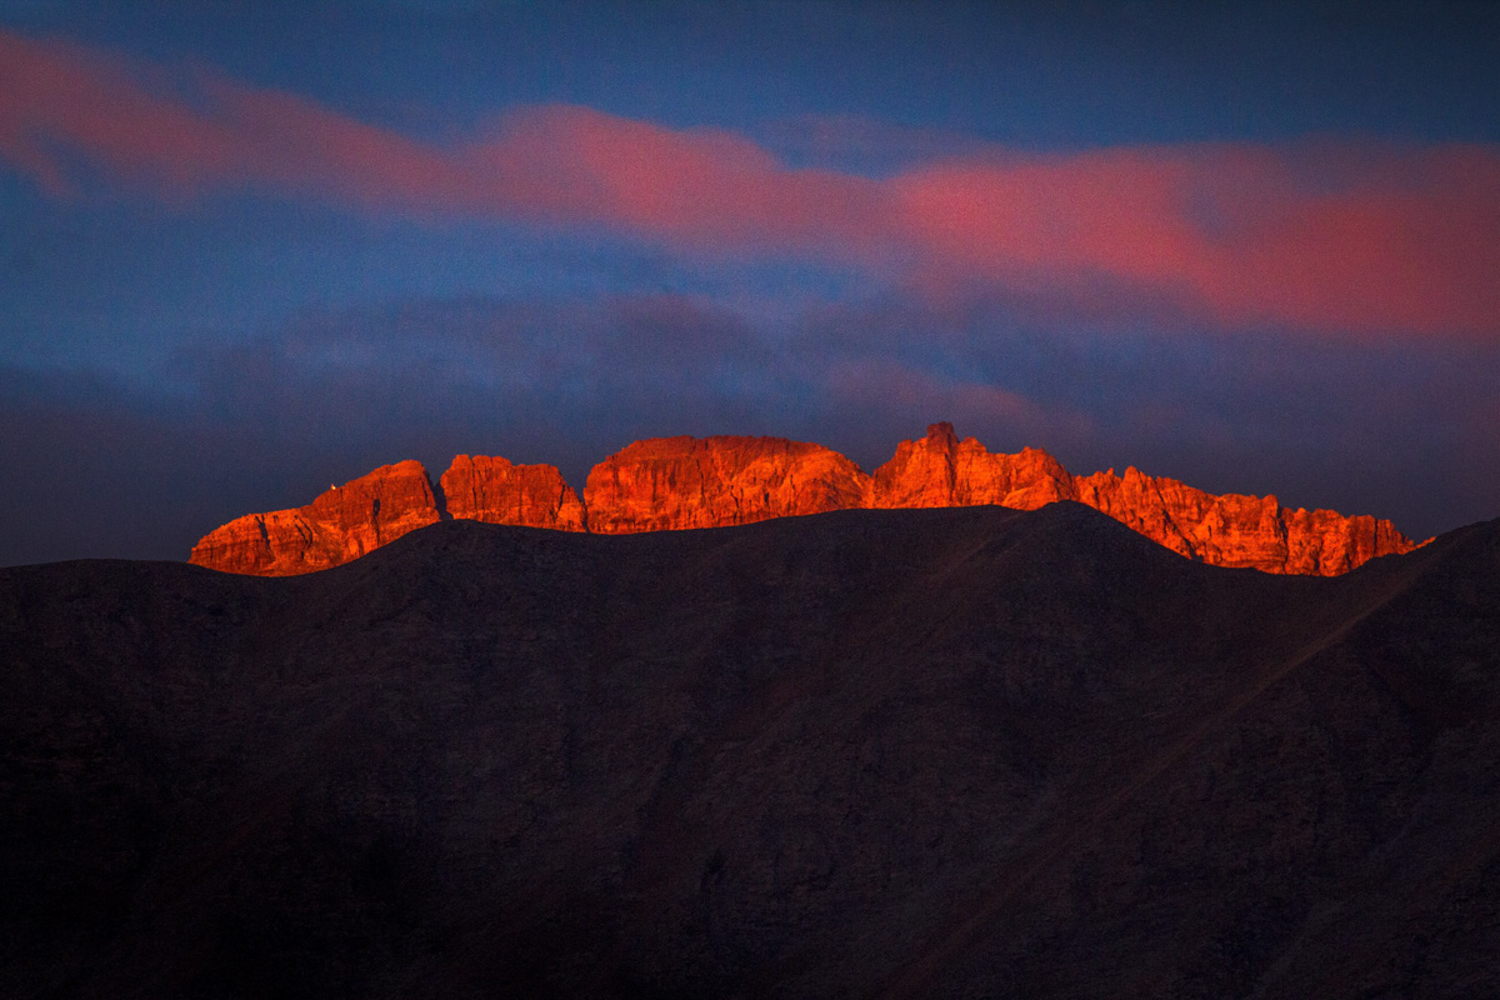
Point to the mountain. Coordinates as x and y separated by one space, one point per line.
492 490
350 520
340 526
953 752
669 484
1231 530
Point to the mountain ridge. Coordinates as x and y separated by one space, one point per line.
879 752
683 482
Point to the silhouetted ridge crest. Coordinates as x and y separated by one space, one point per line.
676 483
963 751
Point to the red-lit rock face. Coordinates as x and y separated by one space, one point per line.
941 471
1229 530
492 490
664 484
339 526
683 482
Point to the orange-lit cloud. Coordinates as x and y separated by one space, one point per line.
1327 237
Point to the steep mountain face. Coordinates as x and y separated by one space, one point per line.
492 490
339 526
1237 530
941 471
672 483
668 484
1229 530
376 509
968 752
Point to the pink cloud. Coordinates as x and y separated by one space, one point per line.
1337 237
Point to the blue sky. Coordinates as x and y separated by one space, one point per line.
248 251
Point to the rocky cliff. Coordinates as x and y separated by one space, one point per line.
339 526
665 484
1230 530
684 482
492 490
348 521
942 471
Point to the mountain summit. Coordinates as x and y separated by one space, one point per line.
669 484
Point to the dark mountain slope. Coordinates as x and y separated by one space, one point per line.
952 752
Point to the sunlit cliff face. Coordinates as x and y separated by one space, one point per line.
666 484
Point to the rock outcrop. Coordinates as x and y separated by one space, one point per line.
338 527
1230 530
665 484
1238 530
668 484
941 471
492 490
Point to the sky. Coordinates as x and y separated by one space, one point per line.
251 249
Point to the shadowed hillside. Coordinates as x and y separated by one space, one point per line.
872 753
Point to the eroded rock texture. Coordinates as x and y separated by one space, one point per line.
338 527
1230 530
684 482
495 491
942 471
667 484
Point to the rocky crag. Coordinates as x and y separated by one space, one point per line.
492 490
338 527
1230 530
666 484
